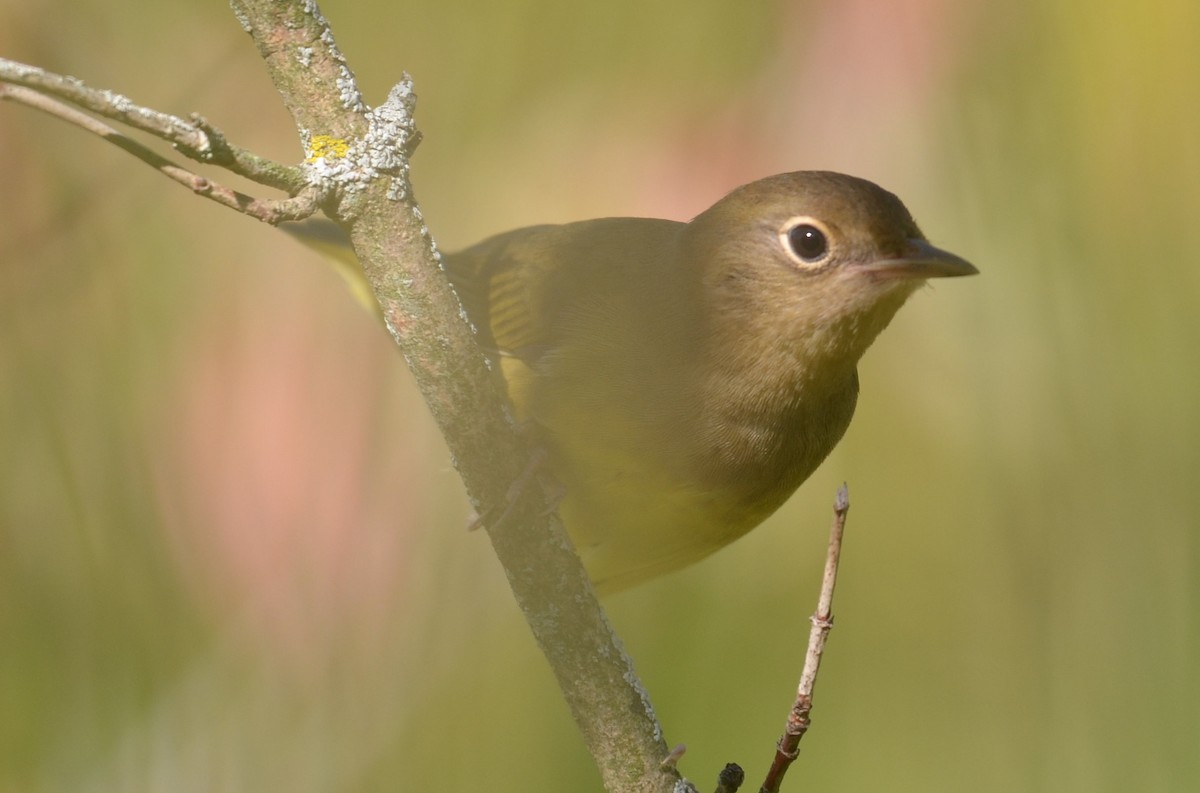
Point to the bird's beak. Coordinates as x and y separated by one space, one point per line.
921 260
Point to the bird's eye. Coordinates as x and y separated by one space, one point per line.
806 240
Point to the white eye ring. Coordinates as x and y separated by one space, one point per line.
807 241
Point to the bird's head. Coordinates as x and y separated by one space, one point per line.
812 261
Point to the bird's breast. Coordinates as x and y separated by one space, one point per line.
656 482
758 451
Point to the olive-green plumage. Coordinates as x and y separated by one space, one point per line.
684 379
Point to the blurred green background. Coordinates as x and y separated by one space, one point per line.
232 553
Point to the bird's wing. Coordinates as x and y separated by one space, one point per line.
503 284
524 288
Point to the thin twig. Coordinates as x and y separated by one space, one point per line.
822 621
289 178
272 211
108 104
195 138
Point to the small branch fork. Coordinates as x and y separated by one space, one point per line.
788 748
195 138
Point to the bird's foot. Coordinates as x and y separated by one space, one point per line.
515 492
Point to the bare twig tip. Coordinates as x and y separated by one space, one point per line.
670 761
731 778
842 502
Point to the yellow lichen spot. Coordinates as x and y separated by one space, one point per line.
327 146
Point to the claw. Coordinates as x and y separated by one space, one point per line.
515 491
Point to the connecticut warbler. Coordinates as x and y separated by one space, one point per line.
683 379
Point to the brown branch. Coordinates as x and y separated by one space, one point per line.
271 211
822 622
195 138
108 104
368 161
306 67
597 679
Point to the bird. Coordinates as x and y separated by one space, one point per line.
682 380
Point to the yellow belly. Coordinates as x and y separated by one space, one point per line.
635 527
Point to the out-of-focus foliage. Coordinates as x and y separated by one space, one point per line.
232 553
